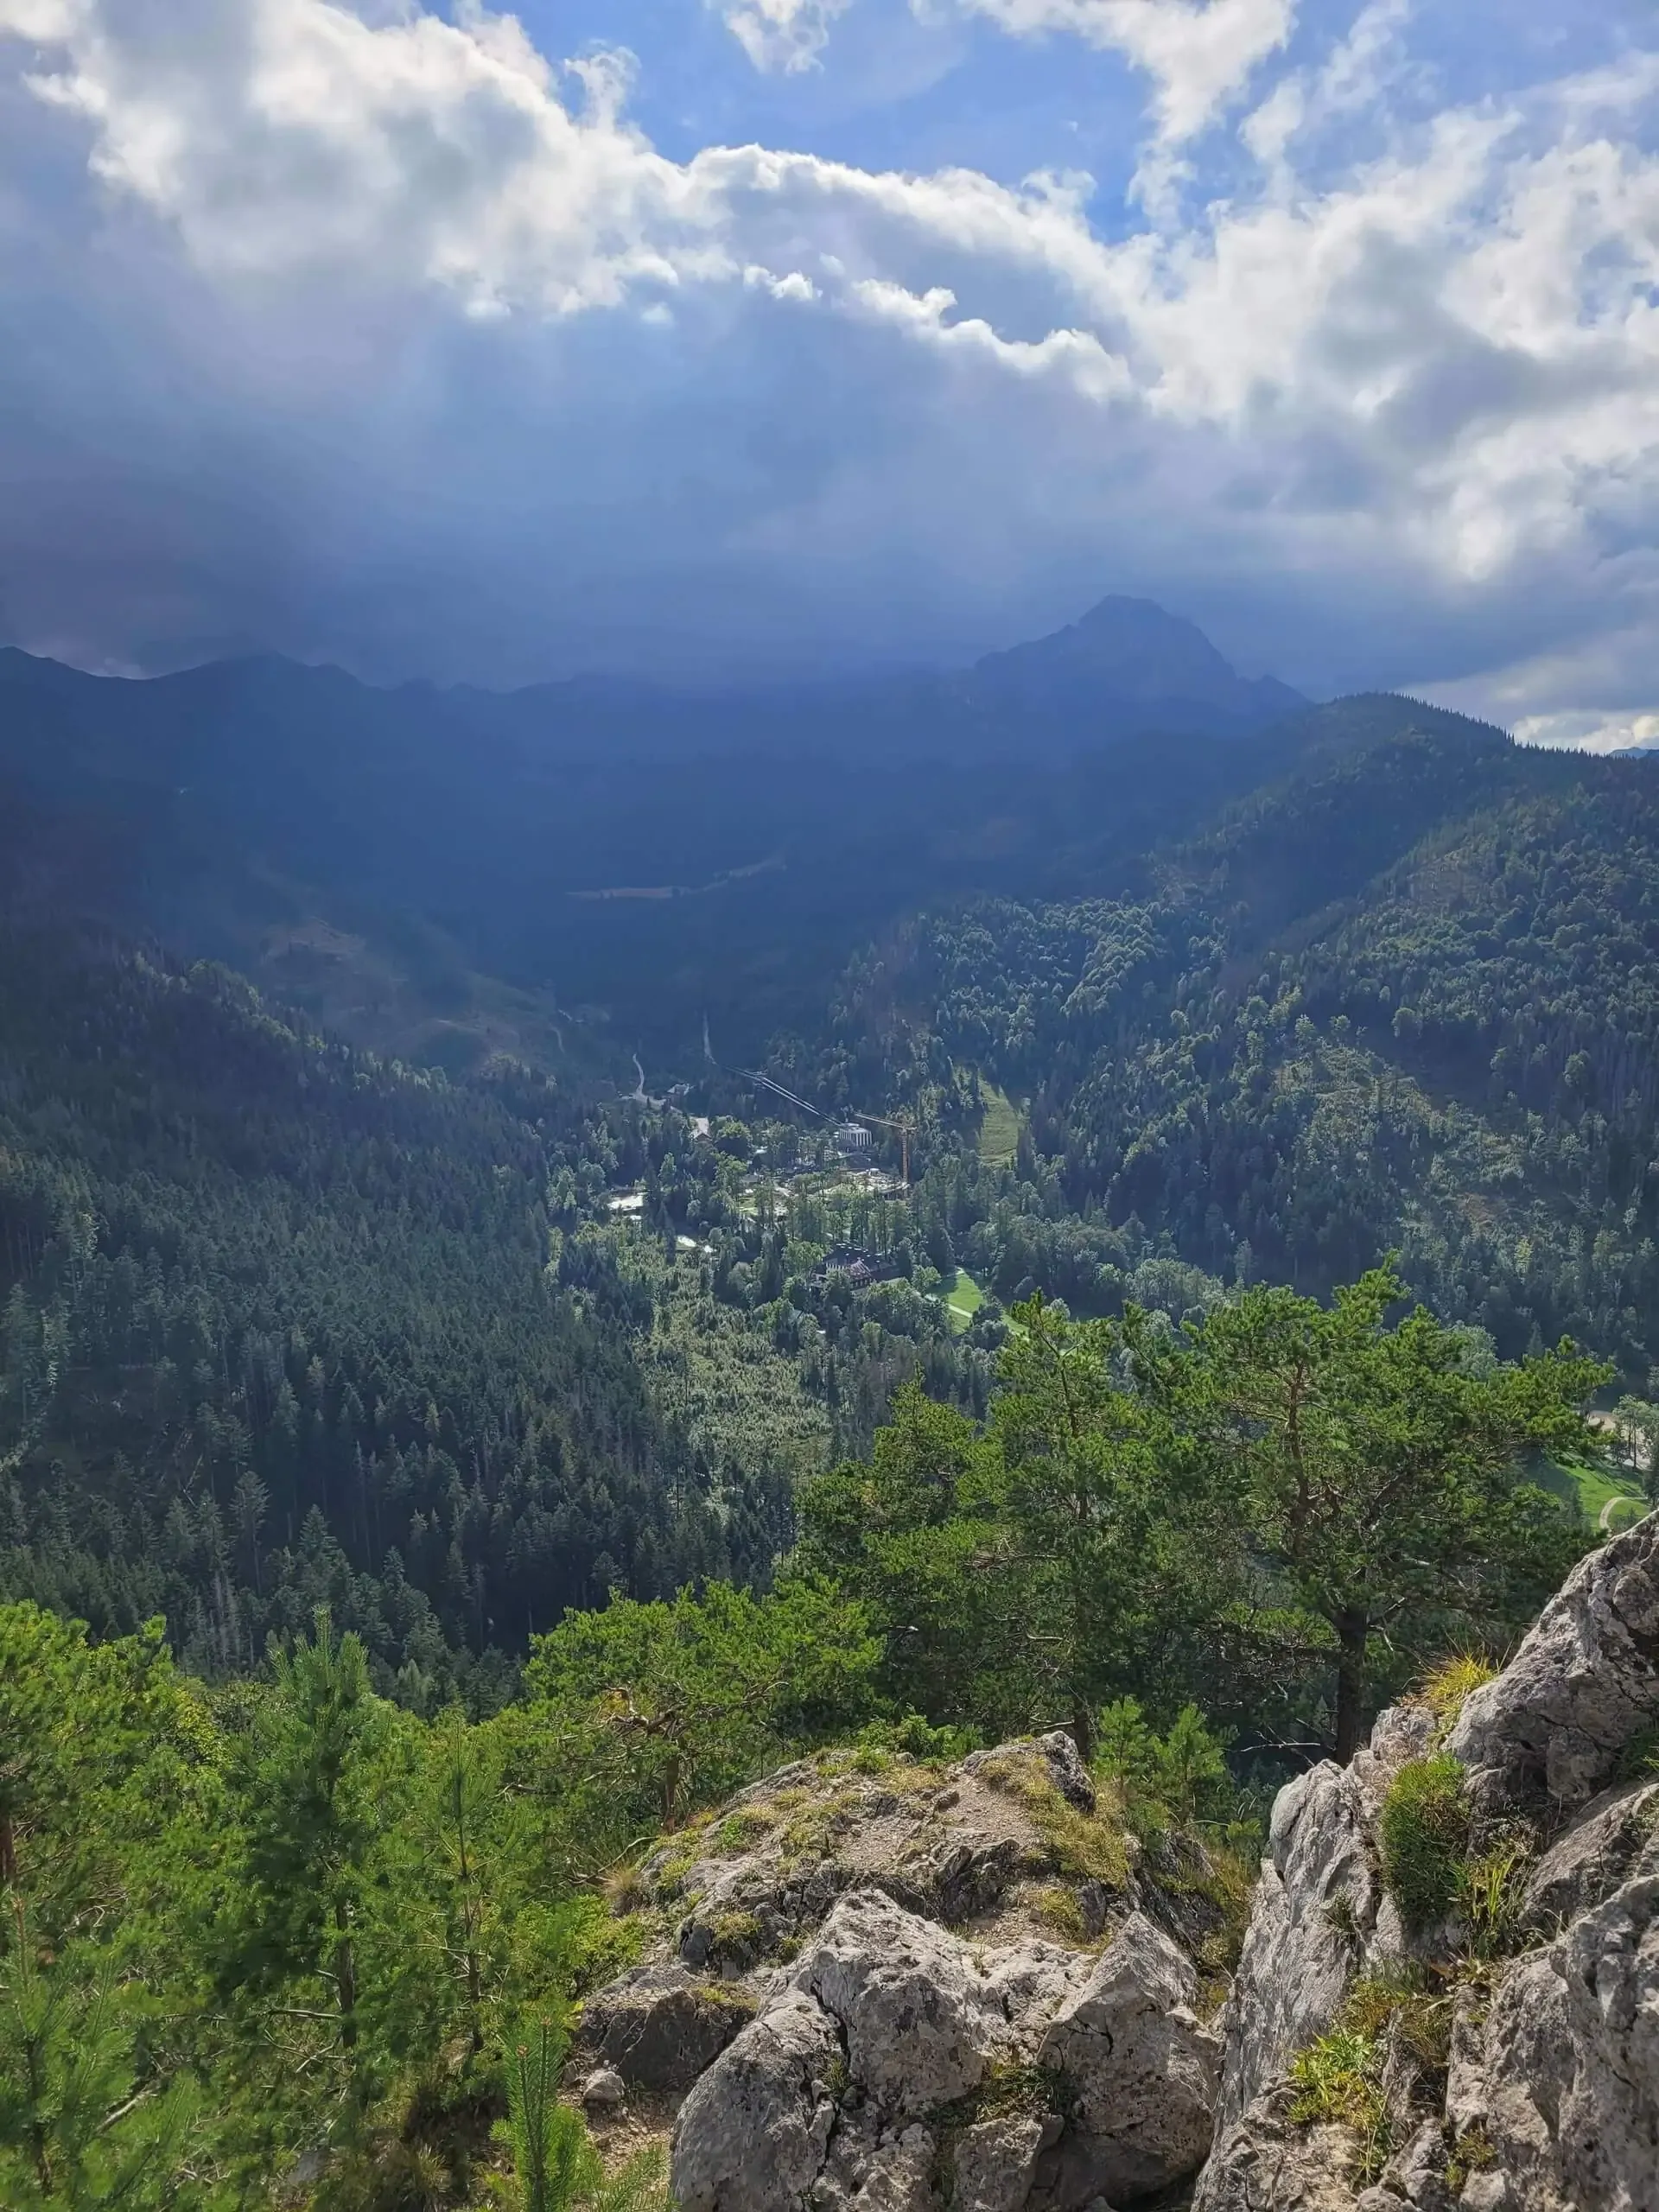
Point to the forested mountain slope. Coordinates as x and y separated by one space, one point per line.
1404 998
280 1329
575 871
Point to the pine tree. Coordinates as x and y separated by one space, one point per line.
80 2130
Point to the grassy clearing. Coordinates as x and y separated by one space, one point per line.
1606 1491
999 1128
963 1300
716 1373
1596 1488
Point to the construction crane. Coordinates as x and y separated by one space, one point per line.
905 1128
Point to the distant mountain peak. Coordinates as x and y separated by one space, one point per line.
1127 659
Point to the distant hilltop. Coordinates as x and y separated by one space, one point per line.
1131 661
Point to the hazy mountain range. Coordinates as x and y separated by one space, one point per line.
653 853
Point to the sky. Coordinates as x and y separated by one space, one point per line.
726 337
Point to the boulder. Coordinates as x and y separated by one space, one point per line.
604 2089
752 2134
875 2169
995 2163
904 2061
1141 2069
660 2027
1584 1681
921 2019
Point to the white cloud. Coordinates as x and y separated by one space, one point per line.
440 300
785 36
1585 731
1348 82
1199 53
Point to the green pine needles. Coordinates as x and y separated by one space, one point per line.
556 2167
79 2124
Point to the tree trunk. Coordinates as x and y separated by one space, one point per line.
345 1975
1353 1630
1083 1729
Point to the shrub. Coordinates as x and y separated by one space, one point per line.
1425 1836
1167 1780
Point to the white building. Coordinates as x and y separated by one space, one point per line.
852 1137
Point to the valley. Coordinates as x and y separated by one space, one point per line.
589 1348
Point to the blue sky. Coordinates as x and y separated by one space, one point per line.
819 334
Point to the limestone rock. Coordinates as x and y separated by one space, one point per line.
1585 1680
899 2057
660 2027
1143 2068
604 2087
1265 2163
1315 1904
1594 1857
921 2019
965 1874
893 2172
1415 2175
1059 1754
752 2134
1564 2076
1030 1981
1548 2101
995 2163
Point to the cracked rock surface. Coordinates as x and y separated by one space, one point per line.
893 1992
1584 1682
1029 2079
1549 2097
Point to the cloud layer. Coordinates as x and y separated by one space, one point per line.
383 334
1200 53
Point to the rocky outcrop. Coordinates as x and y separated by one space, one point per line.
1140 2074
1011 1846
1558 2074
880 1985
1316 1913
753 2137
900 2068
1511 2064
1583 1684
955 1846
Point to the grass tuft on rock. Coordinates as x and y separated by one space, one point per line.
1425 1838
1337 2081
1448 1686
1091 1847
